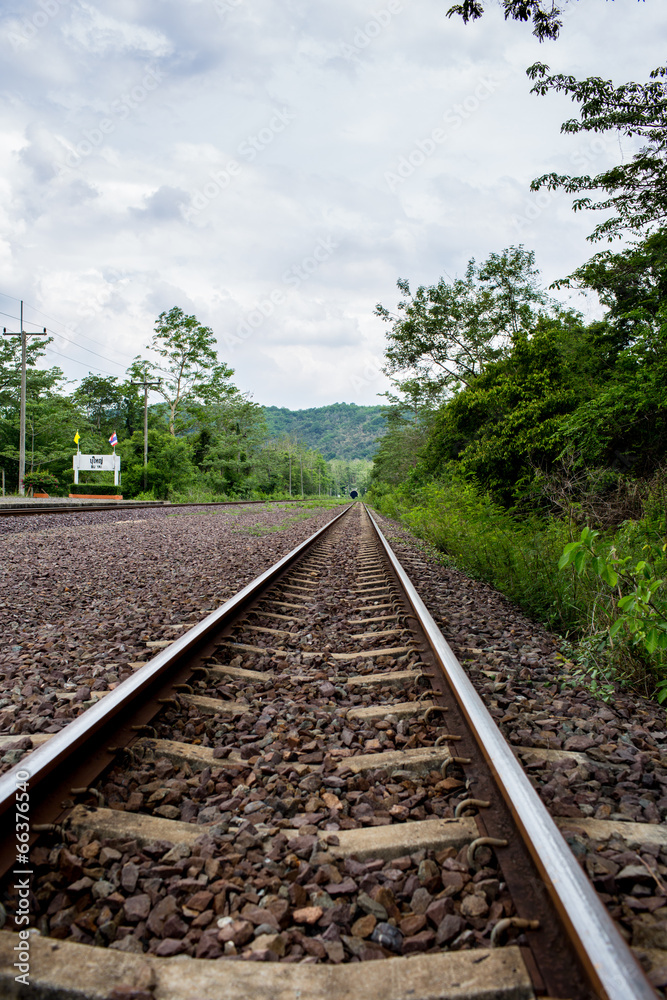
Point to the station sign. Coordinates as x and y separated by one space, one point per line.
96 463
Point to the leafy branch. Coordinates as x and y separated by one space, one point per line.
637 190
638 613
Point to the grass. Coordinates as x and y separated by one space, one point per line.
519 557
303 515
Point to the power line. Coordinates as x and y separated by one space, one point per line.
94 353
100 371
62 335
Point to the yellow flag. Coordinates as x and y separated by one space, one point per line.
77 438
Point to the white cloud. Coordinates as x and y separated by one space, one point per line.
196 154
92 32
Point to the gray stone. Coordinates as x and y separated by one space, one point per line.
129 876
450 926
421 900
137 908
369 905
102 889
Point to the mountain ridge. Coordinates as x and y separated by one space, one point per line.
338 430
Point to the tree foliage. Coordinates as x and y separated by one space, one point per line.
50 416
545 15
635 191
505 424
444 335
630 283
190 371
109 404
589 395
339 430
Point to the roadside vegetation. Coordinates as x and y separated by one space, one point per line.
207 440
529 445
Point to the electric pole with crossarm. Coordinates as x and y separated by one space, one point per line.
146 386
23 334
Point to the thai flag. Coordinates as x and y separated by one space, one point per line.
113 440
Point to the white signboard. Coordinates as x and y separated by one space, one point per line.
96 463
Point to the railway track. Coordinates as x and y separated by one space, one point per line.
307 780
15 510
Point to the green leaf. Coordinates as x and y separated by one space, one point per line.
616 627
662 639
568 554
627 602
580 560
651 641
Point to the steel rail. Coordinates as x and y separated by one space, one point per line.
82 735
613 970
16 511
8 510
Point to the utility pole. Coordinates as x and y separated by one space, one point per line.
146 386
23 335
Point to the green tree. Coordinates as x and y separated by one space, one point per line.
51 420
504 426
624 424
170 467
99 397
228 447
10 364
190 371
632 284
444 335
635 191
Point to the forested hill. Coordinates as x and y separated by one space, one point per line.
341 430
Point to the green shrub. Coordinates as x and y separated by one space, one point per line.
40 481
520 557
95 489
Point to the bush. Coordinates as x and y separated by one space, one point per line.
95 489
40 481
520 558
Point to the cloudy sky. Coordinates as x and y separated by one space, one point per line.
272 168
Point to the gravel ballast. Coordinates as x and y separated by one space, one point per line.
73 641
532 692
82 596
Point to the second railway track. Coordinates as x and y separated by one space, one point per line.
306 779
